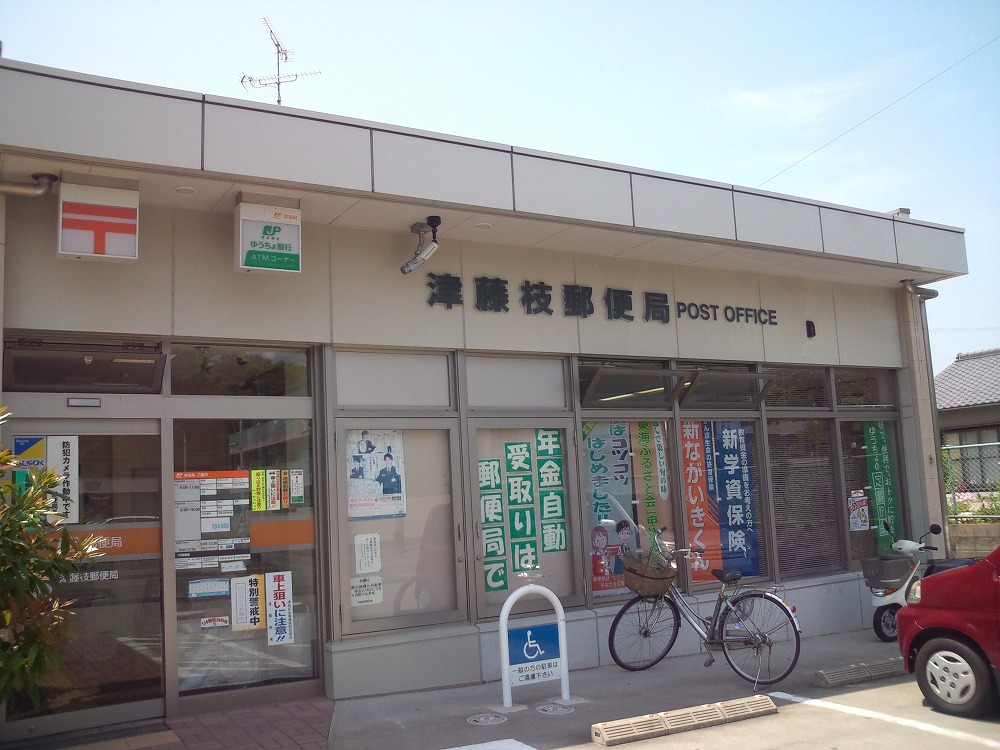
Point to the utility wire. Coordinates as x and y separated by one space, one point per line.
812 153
963 330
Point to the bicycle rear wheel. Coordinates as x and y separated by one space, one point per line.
760 638
643 632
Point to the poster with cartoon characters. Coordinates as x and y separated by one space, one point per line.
626 471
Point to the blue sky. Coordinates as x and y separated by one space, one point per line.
736 91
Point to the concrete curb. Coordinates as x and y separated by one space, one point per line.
671 722
857 673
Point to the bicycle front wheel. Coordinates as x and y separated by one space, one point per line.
760 638
643 632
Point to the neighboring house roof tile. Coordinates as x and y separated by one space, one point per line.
973 379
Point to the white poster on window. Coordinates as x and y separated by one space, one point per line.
366 590
280 619
376 484
62 455
246 605
859 511
367 553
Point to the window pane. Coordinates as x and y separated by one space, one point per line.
401 551
109 497
805 503
237 371
865 388
82 368
723 390
721 486
525 534
805 388
245 552
714 366
869 455
627 477
609 387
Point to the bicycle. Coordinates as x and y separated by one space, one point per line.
757 632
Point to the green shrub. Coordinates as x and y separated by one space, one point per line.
37 553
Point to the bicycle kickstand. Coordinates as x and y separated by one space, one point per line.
709 661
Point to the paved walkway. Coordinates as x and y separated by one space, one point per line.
297 725
466 717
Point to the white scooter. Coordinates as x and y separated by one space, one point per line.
890 578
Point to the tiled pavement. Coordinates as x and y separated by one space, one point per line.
441 718
297 725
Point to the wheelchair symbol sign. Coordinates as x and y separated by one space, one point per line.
533 644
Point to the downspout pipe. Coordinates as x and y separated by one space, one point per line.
41 188
921 291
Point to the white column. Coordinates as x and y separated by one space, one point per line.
918 412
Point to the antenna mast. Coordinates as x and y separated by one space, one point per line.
282 55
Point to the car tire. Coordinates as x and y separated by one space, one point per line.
954 678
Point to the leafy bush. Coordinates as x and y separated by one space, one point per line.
37 553
983 504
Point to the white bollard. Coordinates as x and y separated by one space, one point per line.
532 588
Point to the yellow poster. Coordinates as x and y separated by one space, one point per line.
258 490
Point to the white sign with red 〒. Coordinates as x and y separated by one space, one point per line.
96 222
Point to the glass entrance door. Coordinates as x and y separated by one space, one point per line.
111 664
244 553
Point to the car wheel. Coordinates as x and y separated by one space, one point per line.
884 622
954 678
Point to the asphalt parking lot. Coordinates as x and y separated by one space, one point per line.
885 713
888 713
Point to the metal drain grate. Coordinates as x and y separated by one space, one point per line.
671 722
554 709
487 719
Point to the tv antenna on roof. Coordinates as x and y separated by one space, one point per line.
282 55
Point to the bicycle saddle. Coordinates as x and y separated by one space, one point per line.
727 576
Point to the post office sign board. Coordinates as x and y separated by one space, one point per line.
268 238
97 222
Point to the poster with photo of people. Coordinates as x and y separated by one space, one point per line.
376 485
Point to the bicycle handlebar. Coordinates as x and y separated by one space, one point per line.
665 546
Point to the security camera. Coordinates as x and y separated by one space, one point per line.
411 265
419 258
427 250
423 251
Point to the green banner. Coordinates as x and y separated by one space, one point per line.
883 483
271 260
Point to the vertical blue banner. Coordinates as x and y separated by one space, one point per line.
734 492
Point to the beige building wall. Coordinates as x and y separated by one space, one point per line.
350 292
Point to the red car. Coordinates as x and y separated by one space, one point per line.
949 635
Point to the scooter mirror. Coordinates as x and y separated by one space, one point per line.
935 528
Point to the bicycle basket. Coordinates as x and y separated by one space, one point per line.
648 574
886 572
